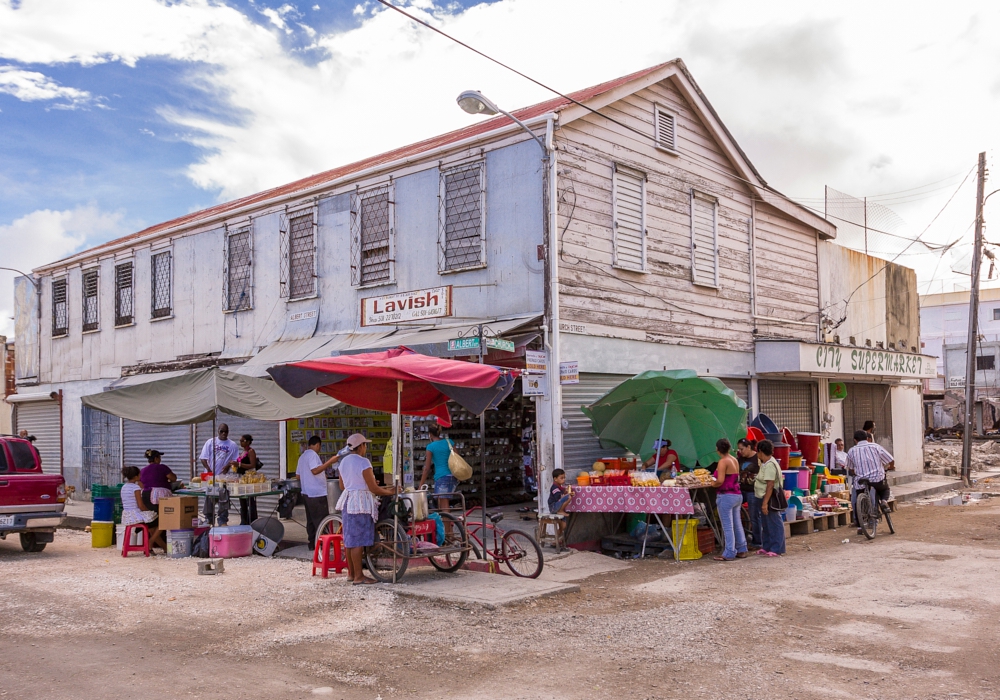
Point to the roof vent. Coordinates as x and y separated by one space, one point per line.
666 130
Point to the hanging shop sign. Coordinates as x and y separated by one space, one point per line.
533 384
535 361
406 306
783 356
838 391
569 372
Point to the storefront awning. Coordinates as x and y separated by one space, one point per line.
838 361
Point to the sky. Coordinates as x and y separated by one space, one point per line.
119 114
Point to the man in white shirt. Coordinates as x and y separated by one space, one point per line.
219 451
841 456
312 481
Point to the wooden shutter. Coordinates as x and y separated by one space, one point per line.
629 197
704 240
666 129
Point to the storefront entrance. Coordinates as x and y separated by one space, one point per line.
868 402
792 405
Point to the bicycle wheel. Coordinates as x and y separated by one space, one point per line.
331 525
457 538
389 540
521 553
888 519
867 517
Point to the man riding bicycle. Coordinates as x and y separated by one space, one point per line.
867 461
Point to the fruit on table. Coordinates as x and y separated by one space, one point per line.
600 466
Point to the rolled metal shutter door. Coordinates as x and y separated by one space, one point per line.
868 402
790 404
580 447
41 419
266 442
740 386
174 441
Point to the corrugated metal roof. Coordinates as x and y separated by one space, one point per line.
478 129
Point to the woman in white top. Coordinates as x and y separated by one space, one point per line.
136 512
358 506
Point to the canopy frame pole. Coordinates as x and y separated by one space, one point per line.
482 448
395 473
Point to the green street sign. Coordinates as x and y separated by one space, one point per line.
500 344
471 343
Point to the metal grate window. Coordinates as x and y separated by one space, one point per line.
123 294
666 129
629 218
372 232
985 362
239 268
160 287
792 405
302 256
704 240
91 317
462 221
60 311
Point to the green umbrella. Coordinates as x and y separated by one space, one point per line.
692 412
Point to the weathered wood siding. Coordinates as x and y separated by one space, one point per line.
663 301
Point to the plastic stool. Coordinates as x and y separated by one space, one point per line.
329 554
127 539
556 539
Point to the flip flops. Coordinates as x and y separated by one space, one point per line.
723 559
364 582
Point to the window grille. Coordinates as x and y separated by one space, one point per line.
996 314
985 362
123 294
462 220
60 315
160 287
666 129
91 318
629 219
302 256
239 268
704 240
372 236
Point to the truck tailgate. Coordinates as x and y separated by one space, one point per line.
30 492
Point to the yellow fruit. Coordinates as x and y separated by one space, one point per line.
599 466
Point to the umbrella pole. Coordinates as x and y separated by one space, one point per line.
395 472
663 422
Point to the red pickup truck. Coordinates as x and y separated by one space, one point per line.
31 503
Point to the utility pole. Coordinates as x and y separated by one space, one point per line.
970 364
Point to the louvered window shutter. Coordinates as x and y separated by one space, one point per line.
704 240
666 130
629 220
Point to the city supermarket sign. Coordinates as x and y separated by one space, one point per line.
883 363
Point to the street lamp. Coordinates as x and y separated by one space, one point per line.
475 102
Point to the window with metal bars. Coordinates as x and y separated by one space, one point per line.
160 284
301 256
123 294
372 224
665 125
462 220
60 312
239 268
985 362
91 317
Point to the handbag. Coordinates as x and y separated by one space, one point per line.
459 468
777 501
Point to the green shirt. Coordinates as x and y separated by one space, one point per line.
769 471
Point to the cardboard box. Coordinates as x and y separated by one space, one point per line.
178 513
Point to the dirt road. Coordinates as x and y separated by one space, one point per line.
907 616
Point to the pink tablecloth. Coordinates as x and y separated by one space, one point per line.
630 499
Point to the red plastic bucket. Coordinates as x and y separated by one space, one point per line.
809 446
781 451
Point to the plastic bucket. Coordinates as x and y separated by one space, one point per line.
764 424
794 460
101 533
104 510
179 543
781 451
809 445
791 513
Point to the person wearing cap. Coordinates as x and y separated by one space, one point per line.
666 459
219 452
312 481
156 478
357 504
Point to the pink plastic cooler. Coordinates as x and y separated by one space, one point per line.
231 541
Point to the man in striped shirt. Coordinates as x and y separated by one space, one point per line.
868 460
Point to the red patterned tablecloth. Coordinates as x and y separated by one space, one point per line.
630 499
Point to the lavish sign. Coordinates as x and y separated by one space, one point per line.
406 306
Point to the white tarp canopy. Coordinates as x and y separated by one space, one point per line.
197 395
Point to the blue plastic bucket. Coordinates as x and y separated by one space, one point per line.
104 509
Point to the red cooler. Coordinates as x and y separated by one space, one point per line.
781 452
809 446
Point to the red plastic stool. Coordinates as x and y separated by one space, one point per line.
325 559
127 539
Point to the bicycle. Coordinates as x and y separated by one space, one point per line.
518 550
868 515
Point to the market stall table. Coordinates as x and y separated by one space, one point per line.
651 500
204 493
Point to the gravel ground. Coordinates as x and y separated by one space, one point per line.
906 616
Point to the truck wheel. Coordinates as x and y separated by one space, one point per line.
29 542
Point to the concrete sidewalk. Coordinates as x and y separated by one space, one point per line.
474 588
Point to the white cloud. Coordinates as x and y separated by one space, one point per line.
43 236
30 86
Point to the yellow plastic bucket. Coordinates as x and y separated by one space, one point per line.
101 534
689 547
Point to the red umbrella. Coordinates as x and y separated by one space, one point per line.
372 381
